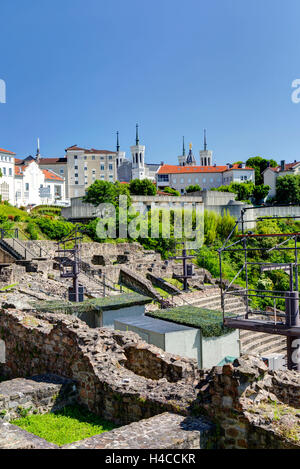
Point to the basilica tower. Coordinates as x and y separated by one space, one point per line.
138 158
205 155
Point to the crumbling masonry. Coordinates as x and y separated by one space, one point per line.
125 380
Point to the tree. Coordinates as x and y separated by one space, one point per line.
171 191
106 192
259 164
192 188
142 187
288 189
260 192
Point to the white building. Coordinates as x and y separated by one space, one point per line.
36 186
137 168
207 175
271 174
7 182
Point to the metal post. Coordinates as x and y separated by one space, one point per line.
184 259
292 319
296 266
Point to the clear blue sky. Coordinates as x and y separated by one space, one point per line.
78 70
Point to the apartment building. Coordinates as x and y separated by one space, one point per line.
85 166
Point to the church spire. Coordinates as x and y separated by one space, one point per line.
38 155
118 144
183 147
137 140
205 144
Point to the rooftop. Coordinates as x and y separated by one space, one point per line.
176 169
6 151
209 321
90 151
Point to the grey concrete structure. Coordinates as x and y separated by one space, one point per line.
183 340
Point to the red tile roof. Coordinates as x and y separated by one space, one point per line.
91 151
50 175
176 169
287 167
237 166
45 161
6 151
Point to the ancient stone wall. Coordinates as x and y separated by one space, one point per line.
41 394
126 380
255 407
97 360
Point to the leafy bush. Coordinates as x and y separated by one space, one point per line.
171 191
54 229
32 231
192 188
142 187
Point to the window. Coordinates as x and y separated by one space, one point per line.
182 180
189 180
85 168
62 171
75 167
211 179
76 182
94 171
102 158
174 180
204 180
75 157
93 157
110 157
196 180
110 167
102 167
76 175
4 171
102 177
111 176
163 178
27 186
85 157
10 171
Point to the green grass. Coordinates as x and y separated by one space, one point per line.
9 210
174 282
8 287
71 424
209 321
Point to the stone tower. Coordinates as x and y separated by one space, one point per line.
138 158
182 158
205 155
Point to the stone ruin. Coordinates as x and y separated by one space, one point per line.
163 398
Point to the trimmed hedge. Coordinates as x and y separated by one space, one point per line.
209 321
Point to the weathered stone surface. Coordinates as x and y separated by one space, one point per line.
118 375
166 431
40 394
12 437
